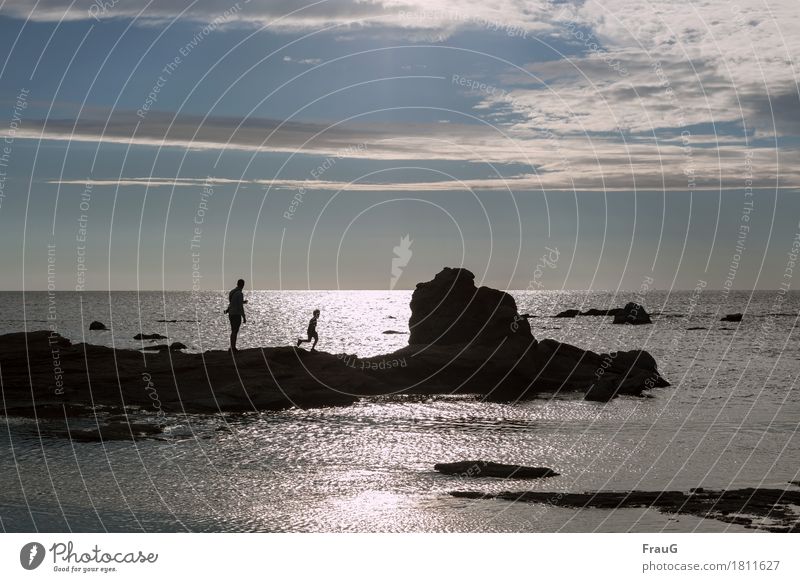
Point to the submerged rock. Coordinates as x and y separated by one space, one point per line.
767 509
632 313
149 336
734 317
489 469
568 313
116 431
97 326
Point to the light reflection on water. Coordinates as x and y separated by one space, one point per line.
730 419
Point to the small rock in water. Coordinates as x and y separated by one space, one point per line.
695 328
632 313
489 469
732 317
149 336
97 326
391 331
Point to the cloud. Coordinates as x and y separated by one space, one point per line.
288 59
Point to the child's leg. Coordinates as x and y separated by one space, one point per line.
316 338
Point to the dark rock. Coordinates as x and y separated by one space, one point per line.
149 336
568 313
175 346
489 469
258 379
732 317
770 509
479 345
391 332
795 483
97 326
451 310
632 313
695 328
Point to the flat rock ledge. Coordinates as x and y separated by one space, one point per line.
764 509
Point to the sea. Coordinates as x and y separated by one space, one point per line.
730 419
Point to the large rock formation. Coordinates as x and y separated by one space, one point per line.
495 354
450 310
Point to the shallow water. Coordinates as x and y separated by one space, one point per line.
730 419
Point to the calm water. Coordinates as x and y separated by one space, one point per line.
730 419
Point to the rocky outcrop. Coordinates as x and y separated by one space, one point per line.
44 374
489 469
632 313
510 367
450 310
97 326
735 317
474 342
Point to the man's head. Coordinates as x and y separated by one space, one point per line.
240 283
316 313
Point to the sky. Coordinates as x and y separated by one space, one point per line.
366 144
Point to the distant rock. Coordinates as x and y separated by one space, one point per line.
175 346
568 313
149 336
97 326
734 317
695 328
632 313
489 469
392 331
602 312
451 310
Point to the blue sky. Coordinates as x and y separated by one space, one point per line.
638 143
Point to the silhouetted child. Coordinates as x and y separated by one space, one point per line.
312 331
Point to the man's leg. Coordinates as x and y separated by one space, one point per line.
236 322
316 338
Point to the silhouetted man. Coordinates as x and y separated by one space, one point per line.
235 311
